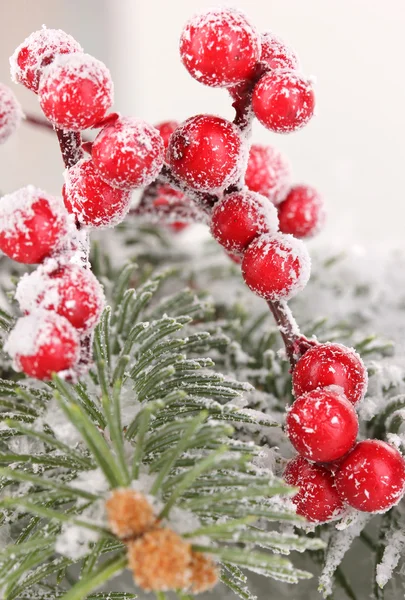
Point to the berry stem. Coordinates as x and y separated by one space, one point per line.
70 143
288 328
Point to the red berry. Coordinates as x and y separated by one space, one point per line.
43 343
10 113
372 477
166 129
277 54
128 153
276 267
331 364
240 217
268 172
91 200
71 291
220 47
317 499
302 213
32 225
75 91
283 101
171 203
37 51
206 152
322 425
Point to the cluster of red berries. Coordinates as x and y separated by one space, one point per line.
62 301
332 470
221 48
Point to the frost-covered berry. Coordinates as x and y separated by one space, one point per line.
75 91
276 54
71 291
372 477
128 153
43 343
10 113
302 213
166 128
38 51
268 172
32 225
283 101
322 425
206 152
93 202
317 499
220 47
276 267
240 217
331 364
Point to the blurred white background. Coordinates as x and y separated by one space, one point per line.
353 151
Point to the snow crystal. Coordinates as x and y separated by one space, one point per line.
392 553
75 542
63 429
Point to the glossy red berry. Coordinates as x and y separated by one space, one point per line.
240 217
220 47
43 343
166 128
38 51
276 54
268 172
322 425
206 152
75 91
171 204
71 291
302 213
93 202
317 499
128 153
331 364
372 477
276 267
10 113
33 225
283 101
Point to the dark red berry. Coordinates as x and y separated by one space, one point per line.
75 91
33 225
372 477
283 101
166 128
10 113
172 204
268 172
317 499
43 343
276 267
128 153
93 202
36 52
322 425
331 364
302 213
240 217
220 47
276 54
71 291
206 152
